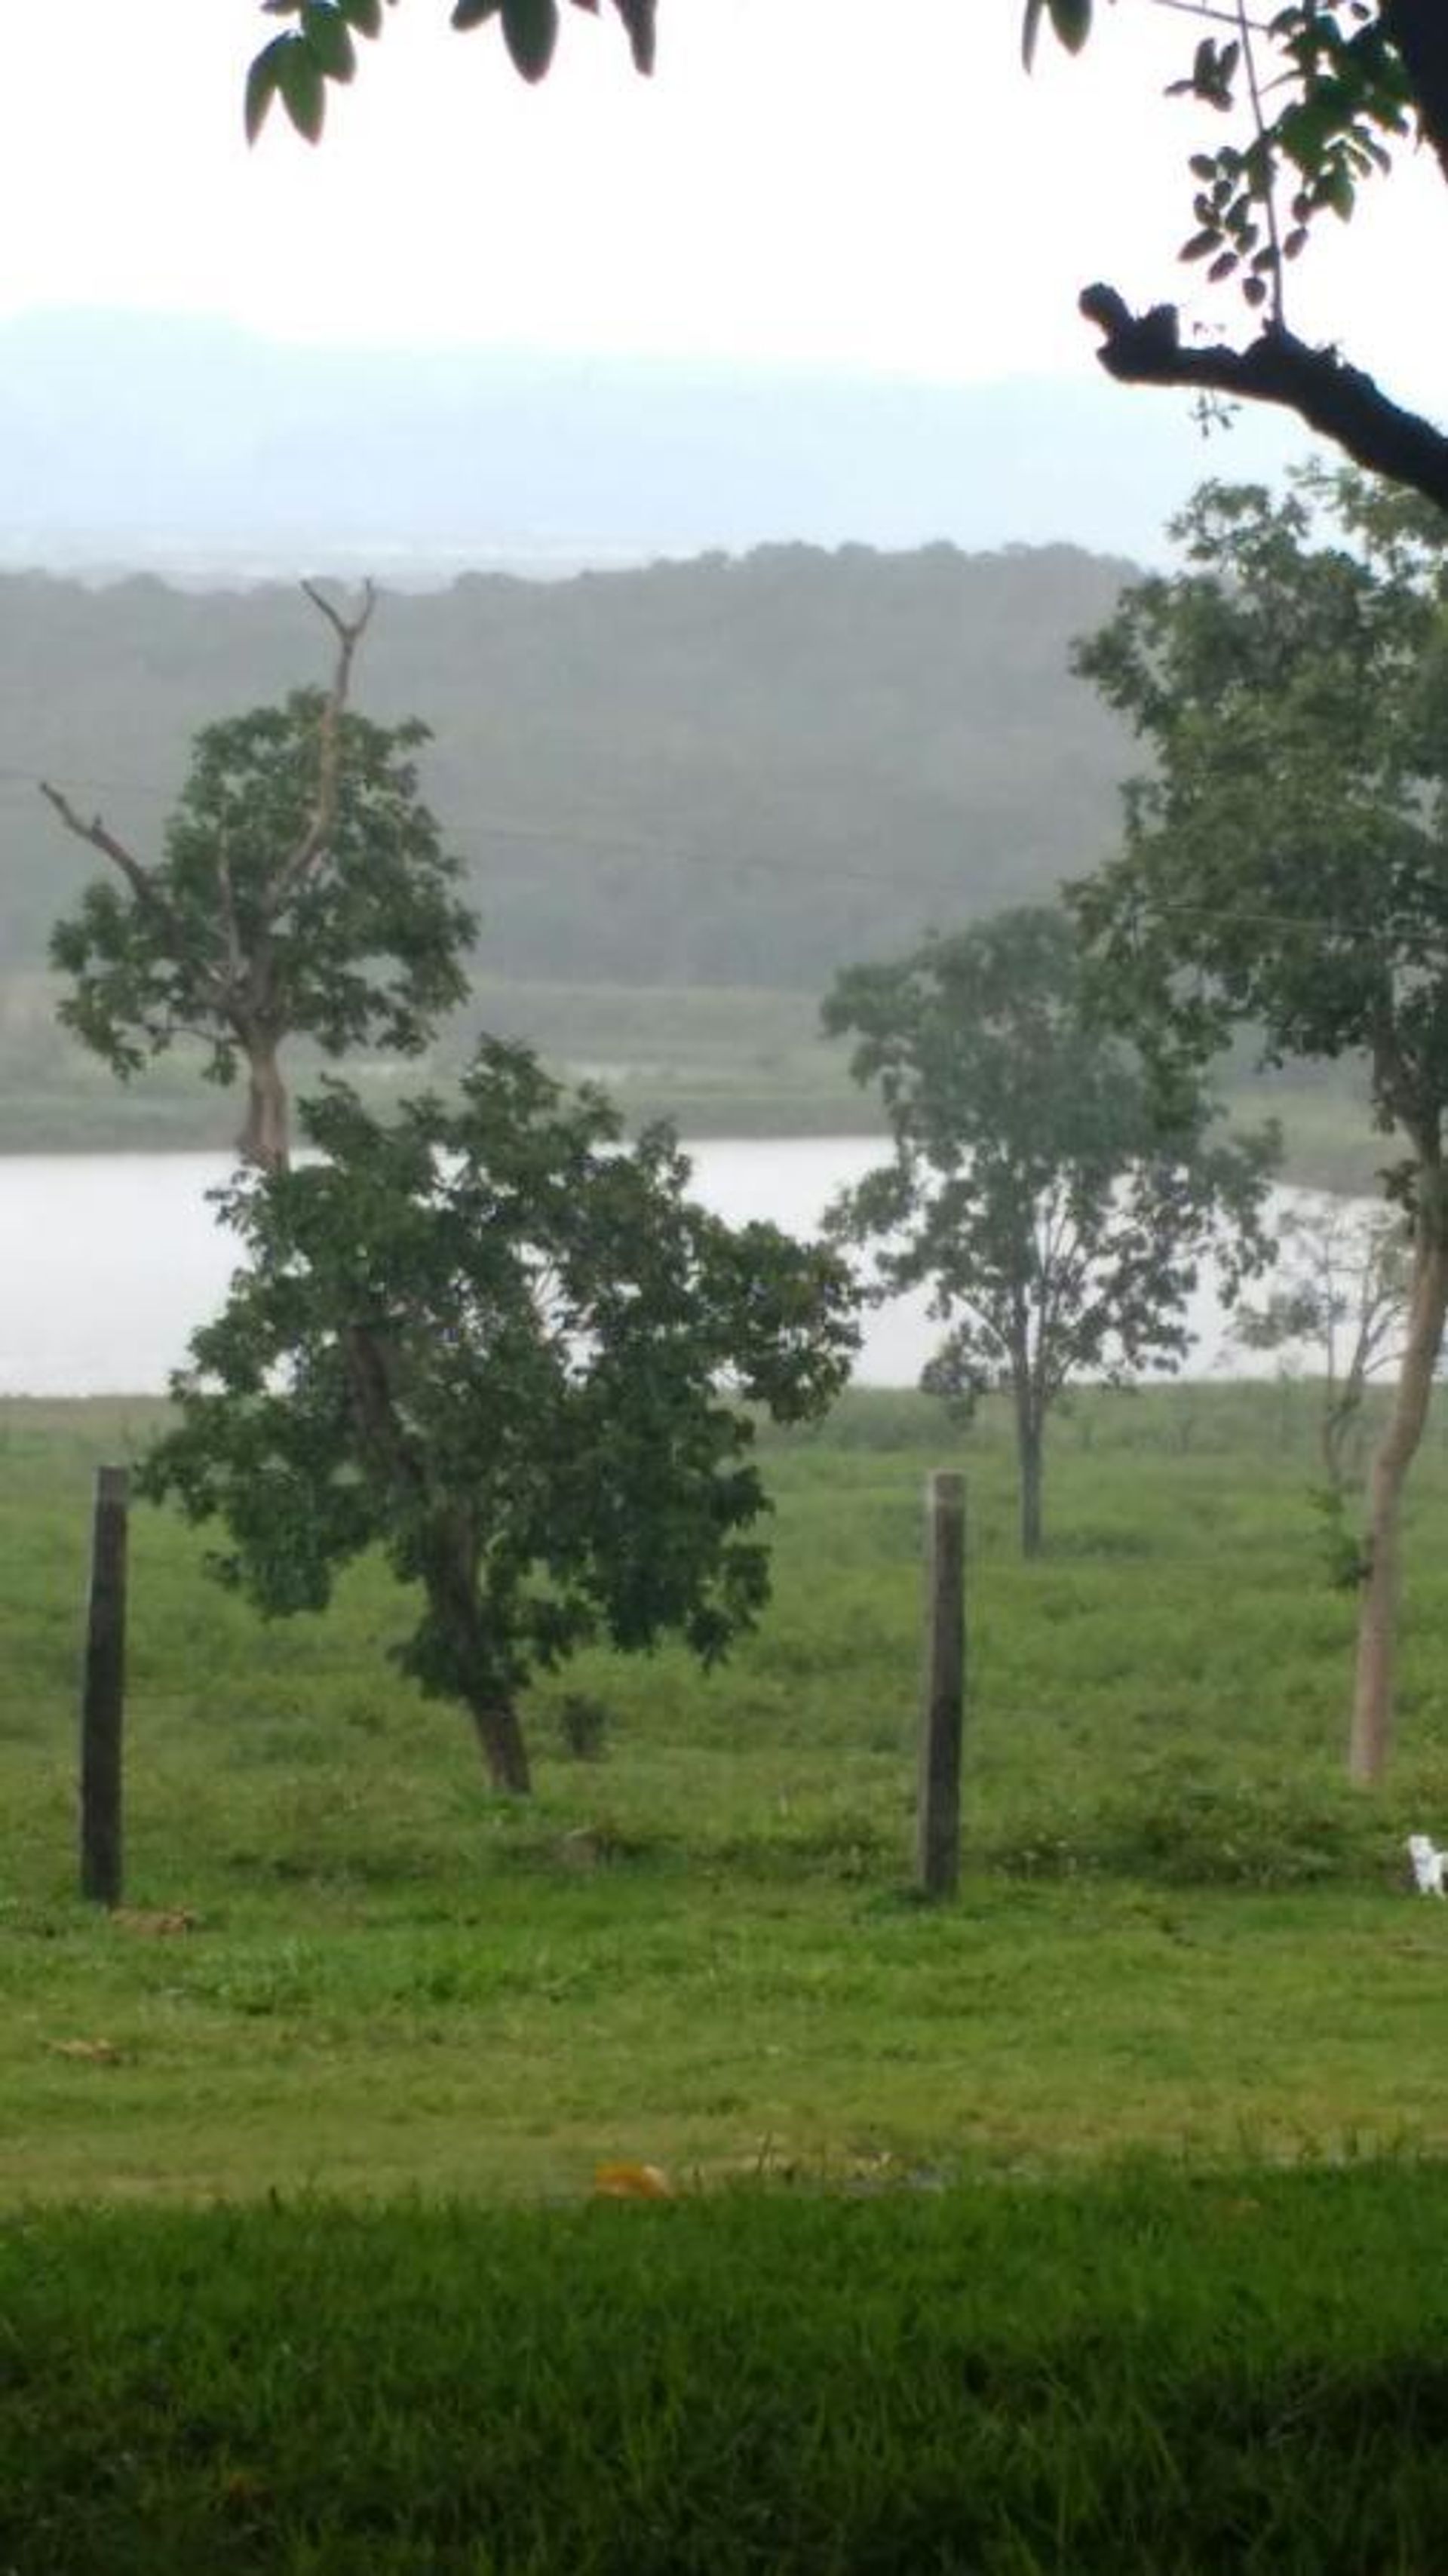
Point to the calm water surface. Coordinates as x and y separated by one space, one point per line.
110 1261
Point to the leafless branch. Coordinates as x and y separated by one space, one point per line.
229 923
137 877
349 632
1340 400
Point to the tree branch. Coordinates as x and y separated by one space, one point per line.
231 927
349 632
1419 29
1339 400
138 878
141 880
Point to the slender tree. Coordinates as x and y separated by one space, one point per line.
1335 1303
303 891
515 1355
1056 1202
1285 868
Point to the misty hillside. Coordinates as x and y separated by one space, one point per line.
724 772
182 444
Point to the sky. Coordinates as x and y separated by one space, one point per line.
867 183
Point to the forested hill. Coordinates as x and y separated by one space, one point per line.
726 771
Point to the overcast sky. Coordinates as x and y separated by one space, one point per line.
868 182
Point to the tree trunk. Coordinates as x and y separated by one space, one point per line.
450 1581
447 1552
265 1139
1372 1714
500 1741
1030 1446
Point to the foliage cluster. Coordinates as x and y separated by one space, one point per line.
1285 868
366 952
513 1354
319 47
1053 1196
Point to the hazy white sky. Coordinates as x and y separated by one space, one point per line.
872 182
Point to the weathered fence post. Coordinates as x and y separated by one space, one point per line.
937 1814
103 1693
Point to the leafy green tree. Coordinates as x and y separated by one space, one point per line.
1318 96
1285 867
1056 1201
303 891
513 1354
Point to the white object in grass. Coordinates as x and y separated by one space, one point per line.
1428 1865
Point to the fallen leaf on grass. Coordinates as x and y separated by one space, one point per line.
99 2052
131 1918
243 2491
631 2182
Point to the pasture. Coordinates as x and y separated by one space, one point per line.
1178 1930
1122 2167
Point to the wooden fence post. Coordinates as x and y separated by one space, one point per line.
103 1693
937 1814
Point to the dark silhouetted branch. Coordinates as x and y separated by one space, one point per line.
1340 401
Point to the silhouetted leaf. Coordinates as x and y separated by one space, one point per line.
638 18
530 31
261 85
303 87
325 31
1072 22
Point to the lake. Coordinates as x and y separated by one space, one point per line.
111 1260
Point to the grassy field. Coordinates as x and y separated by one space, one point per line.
1179 1929
1091 2222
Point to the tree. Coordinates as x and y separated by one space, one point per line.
514 1355
1056 1201
303 891
1321 93
1337 1300
1285 867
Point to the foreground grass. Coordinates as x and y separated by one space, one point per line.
1179 1930
1156 2373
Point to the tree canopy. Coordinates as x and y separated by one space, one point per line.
515 1355
1285 864
1054 1199
303 890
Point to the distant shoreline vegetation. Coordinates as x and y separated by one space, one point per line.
714 1062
